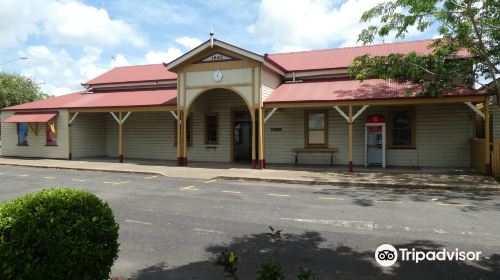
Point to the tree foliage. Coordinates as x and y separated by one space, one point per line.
464 25
17 89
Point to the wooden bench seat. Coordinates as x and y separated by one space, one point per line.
309 150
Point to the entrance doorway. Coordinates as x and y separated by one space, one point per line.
375 141
242 136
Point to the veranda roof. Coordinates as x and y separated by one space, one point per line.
107 99
353 90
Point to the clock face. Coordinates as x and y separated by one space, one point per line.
217 76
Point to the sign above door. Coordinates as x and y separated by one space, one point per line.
217 57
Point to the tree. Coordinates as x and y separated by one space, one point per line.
17 89
465 26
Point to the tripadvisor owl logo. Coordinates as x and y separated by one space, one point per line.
386 255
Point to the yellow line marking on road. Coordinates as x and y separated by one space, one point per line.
330 198
78 180
188 188
275 194
211 181
116 183
139 222
453 204
48 177
232 192
23 175
150 177
389 201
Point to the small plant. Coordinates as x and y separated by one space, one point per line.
57 234
306 274
270 270
229 261
276 238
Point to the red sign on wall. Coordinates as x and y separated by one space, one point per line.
375 119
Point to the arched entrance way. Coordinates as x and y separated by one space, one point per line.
218 125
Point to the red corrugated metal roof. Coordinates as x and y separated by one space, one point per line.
342 57
38 117
290 62
350 90
138 73
119 98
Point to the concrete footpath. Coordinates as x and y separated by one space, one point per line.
439 179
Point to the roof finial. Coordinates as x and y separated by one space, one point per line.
211 36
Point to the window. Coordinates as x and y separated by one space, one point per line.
189 124
211 128
50 134
22 134
316 128
402 128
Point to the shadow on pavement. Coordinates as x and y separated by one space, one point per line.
475 201
308 249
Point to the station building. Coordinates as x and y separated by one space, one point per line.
222 103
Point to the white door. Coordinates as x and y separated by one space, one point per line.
375 146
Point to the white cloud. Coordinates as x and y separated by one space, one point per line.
58 72
66 22
119 61
308 24
52 69
159 57
18 20
188 42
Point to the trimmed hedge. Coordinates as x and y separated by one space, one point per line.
57 234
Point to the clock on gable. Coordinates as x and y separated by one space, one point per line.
217 76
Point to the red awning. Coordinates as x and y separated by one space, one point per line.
32 117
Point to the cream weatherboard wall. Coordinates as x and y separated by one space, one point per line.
442 140
151 135
88 135
37 147
146 135
270 81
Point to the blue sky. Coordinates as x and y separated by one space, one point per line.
68 42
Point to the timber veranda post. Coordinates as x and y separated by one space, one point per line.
261 140
487 156
184 138
350 138
254 148
120 137
70 153
178 136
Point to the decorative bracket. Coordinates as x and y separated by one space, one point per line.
355 116
475 109
270 114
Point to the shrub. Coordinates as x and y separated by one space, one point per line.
229 261
270 270
57 234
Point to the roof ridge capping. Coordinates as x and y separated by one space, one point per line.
136 65
133 74
351 47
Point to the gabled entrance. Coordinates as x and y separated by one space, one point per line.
207 72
